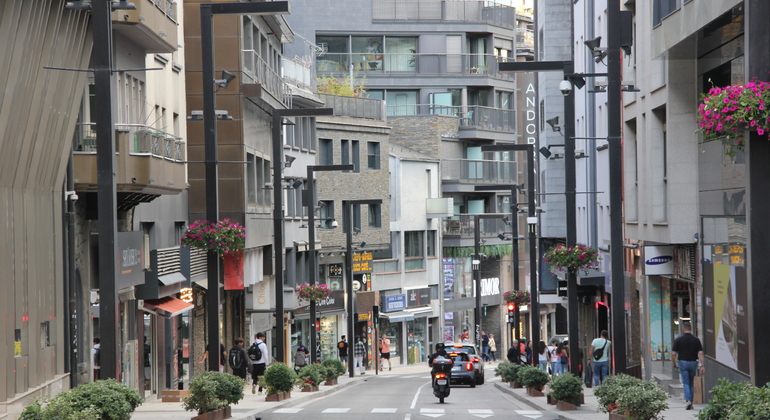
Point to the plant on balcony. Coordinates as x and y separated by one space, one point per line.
313 292
517 297
731 110
224 237
331 85
572 259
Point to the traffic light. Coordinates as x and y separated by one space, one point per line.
511 312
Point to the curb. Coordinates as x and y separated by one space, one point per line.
301 399
530 402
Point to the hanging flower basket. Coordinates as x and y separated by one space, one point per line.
517 297
730 111
224 237
315 292
572 259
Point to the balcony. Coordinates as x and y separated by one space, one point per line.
354 107
148 161
461 175
297 72
462 226
256 70
152 25
421 64
444 11
525 41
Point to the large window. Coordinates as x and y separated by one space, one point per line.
375 215
430 243
345 152
356 155
367 53
326 214
663 8
325 152
413 250
401 102
373 155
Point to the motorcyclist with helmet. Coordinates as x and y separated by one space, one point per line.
440 351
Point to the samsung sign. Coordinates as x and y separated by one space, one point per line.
658 260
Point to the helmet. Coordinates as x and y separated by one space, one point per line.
440 346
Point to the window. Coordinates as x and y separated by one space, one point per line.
375 215
399 54
325 152
373 155
356 209
345 152
179 228
663 8
326 214
401 102
356 152
251 181
413 244
430 243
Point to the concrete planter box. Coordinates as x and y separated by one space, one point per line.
330 383
565 406
515 385
532 392
311 388
278 397
222 414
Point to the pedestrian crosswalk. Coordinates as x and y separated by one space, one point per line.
427 412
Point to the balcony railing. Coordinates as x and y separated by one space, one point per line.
258 71
144 140
463 225
413 63
472 117
444 11
297 72
479 171
525 38
354 107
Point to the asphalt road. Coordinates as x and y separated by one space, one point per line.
410 396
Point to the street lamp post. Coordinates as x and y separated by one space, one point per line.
347 206
476 265
310 202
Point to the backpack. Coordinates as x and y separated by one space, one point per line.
236 358
299 358
598 353
255 353
98 357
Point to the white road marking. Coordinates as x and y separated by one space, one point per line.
287 411
432 412
414 401
408 416
483 413
384 410
335 411
532 414
412 376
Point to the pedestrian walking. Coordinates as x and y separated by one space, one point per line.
258 357
600 355
563 356
464 337
543 356
238 359
385 352
342 350
96 354
485 346
492 347
359 351
554 358
690 351
513 355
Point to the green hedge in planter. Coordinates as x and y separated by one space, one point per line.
532 377
100 400
278 378
643 401
312 375
334 368
567 388
211 391
611 388
508 371
737 401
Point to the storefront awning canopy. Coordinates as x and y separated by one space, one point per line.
399 316
168 306
172 278
420 312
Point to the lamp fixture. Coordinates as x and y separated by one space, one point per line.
597 51
123 5
296 184
506 219
503 237
356 231
363 244
554 123
288 160
545 152
224 82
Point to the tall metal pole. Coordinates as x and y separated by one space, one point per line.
212 183
109 317
618 306
477 278
515 256
278 234
349 293
534 309
571 203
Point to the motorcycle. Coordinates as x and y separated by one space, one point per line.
442 369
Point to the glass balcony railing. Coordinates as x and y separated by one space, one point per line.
445 11
472 117
464 226
525 39
353 107
417 63
297 72
479 171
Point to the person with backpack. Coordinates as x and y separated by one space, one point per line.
359 352
258 358
600 355
238 359
342 348
300 357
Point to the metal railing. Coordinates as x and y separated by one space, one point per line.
444 11
463 225
479 171
143 139
258 71
428 64
472 117
168 7
525 38
297 72
423 110
354 107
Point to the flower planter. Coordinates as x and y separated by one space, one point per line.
565 406
615 416
330 383
274 397
311 388
515 385
286 395
551 400
224 413
532 392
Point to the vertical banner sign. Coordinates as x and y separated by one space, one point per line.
528 103
233 263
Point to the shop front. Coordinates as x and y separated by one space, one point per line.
329 326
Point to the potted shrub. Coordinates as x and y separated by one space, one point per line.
212 393
508 372
278 381
609 391
107 399
533 379
572 259
625 397
566 389
224 237
334 368
724 397
310 377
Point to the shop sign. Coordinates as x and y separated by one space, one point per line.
489 287
418 297
335 270
186 294
658 260
335 301
394 303
362 262
563 288
130 259
363 317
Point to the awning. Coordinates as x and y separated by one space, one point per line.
398 316
172 278
591 278
420 312
168 306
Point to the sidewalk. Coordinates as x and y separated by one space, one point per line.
252 404
588 411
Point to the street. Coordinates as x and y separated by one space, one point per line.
409 396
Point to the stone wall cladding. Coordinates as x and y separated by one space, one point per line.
423 133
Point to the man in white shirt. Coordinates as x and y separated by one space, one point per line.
260 364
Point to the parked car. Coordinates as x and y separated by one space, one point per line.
474 356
